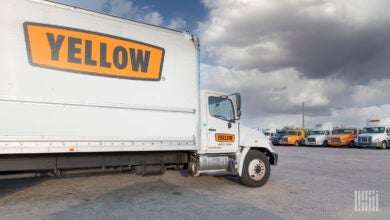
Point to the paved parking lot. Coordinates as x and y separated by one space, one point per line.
310 183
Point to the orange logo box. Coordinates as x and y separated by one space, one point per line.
93 53
224 137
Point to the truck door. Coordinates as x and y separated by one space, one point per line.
221 124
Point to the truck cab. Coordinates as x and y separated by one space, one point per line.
228 147
293 137
278 137
375 134
320 135
343 137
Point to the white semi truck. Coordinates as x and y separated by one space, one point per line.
85 90
320 135
375 134
269 133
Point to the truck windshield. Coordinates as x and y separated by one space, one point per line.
317 132
221 108
291 133
280 134
373 130
342 131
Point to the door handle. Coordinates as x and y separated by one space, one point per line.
212 129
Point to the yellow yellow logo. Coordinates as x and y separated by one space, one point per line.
224 137
88 52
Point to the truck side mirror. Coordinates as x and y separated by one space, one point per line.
238 104
237 97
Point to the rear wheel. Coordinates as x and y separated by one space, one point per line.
256 170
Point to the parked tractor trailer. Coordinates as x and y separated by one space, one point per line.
85 90
375 134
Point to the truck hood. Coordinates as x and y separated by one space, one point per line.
341 136
373 136
252 138
290 136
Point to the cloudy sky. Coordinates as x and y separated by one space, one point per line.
334 55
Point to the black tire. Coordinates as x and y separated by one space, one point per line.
352 144
325 144
255 181
384 145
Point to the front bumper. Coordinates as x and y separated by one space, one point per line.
273 158
370 144
286 143
313 143
339 144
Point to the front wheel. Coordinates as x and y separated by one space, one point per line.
352 144
256 170
384 145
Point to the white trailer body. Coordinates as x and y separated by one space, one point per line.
81 89
72 110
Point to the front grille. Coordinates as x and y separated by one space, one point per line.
311 140
284 139
336 140
364 139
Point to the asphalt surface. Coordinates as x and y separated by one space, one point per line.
308 183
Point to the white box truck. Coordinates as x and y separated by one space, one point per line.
375 134
85 90
320 135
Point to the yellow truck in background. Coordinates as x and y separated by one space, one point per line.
293 137
343 137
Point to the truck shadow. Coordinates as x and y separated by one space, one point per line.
163 200
9 186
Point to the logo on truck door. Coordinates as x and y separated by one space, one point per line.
224 137
94 53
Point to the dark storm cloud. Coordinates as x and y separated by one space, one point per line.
287 36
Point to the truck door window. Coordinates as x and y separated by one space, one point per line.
221 108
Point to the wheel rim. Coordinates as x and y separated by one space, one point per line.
256 169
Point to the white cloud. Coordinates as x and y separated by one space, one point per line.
177 23
153 18
318 38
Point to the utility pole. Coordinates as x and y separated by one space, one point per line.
303 115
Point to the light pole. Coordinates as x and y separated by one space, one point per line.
303 115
